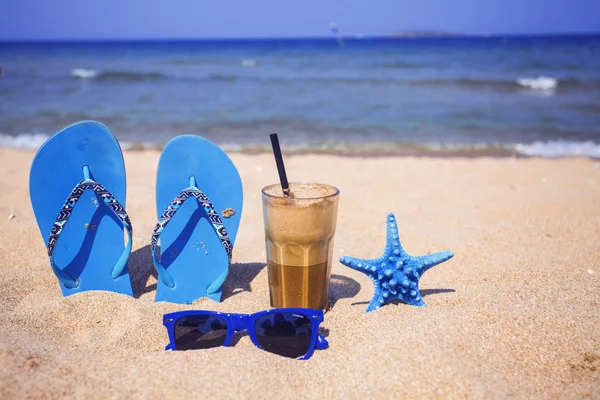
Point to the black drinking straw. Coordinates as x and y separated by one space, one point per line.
285 186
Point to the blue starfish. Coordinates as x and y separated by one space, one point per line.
396 274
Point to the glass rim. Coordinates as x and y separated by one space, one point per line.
282 196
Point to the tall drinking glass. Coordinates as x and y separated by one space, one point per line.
299 234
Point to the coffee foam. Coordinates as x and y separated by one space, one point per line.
301 191
300 230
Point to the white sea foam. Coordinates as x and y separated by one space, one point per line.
23 141
128 145
548 149
541 83
84 73
231 147
249 63
560 148
450 147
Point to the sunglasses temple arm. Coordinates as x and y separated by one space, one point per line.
322 343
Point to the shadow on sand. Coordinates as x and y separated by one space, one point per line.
240 277
342 287
140 269
424 292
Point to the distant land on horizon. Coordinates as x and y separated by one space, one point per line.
443 34
417 34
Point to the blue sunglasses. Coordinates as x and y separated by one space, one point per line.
289 332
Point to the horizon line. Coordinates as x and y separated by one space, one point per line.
400 35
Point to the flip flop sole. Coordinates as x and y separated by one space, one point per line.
191 251
93 238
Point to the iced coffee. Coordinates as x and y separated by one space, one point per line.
299 232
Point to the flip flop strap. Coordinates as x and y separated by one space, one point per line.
167 215
63 218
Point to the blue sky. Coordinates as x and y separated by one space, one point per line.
149 19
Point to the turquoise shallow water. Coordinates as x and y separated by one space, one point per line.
528 95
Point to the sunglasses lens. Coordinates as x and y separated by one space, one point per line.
200 332
284 333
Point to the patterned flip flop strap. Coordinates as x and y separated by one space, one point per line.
167 215
65 213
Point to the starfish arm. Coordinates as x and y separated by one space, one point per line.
392 243
377 297
418 301
351 262
360 264
431 260
373 305
411 297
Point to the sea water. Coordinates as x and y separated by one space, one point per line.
484 95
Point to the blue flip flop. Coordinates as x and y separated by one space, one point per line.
196 236
77 190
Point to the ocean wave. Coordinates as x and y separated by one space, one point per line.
223 78
136 146
249 63
549 149
560 148
118 76
191 61
404 65
84 73
541 83
28 141
543 149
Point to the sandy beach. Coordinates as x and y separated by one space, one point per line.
514 314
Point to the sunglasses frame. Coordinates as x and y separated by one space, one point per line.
246 322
